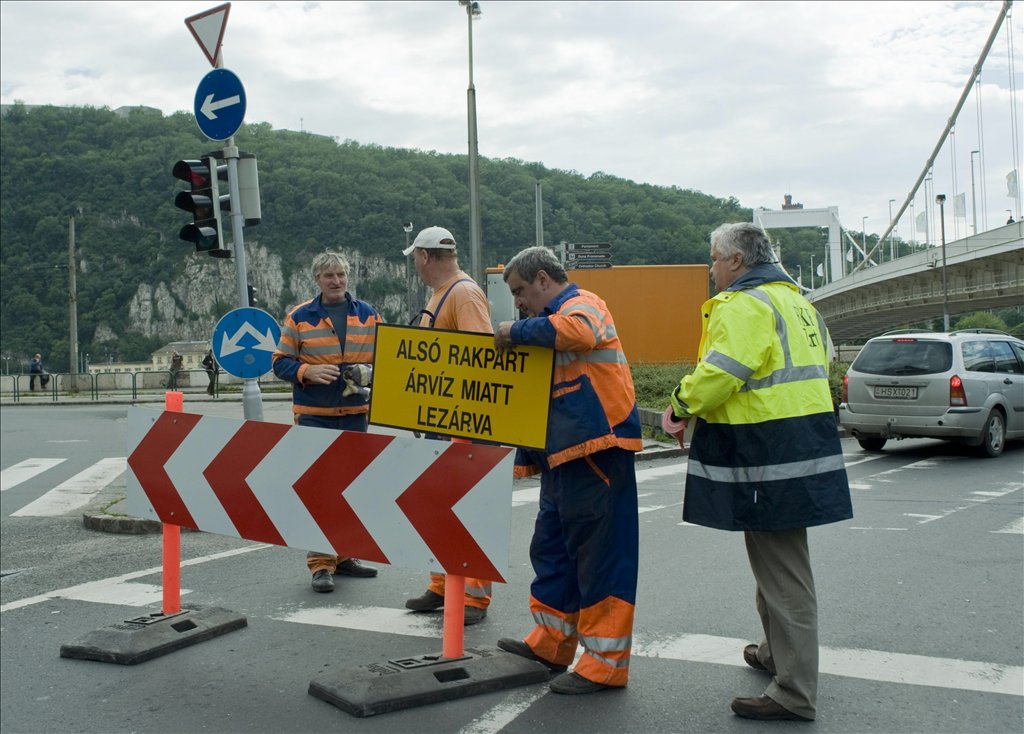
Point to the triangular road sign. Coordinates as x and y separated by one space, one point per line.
208 30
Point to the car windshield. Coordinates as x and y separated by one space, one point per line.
904 357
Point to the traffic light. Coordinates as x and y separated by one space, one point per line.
252 296
204 201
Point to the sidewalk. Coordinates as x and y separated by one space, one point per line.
106 512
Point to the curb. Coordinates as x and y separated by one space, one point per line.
120 524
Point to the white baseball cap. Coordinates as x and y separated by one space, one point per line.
432 238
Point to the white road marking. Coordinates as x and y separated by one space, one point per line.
500 716
1016 527
12 476
875 665
77 491
117 590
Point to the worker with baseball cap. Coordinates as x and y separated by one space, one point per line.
457 304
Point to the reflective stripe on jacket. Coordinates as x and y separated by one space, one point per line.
765 452
308 337
593 406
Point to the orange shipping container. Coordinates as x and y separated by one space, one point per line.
656 307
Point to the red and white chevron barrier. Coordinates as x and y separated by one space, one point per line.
418 503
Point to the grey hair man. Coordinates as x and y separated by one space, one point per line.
762 375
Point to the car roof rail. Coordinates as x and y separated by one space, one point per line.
910 331
980 331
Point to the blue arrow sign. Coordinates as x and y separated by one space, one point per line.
220 104
244 341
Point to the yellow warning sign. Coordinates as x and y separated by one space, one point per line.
456 383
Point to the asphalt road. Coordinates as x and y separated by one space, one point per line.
921 605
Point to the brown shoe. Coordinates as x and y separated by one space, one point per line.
750 658
763 708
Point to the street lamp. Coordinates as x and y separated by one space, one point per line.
940 199
475 258
864 236
409 292
892 246
974 197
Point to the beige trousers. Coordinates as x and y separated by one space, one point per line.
788 607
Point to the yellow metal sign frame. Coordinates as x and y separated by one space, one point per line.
455 383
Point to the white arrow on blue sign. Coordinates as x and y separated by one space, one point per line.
220 104
244 341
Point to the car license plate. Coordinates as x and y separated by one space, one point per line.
897 393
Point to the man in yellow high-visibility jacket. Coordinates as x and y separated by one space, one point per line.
765 457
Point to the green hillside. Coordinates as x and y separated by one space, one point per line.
113 173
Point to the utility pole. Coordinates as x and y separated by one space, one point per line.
72 300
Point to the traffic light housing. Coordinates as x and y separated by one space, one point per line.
204 201
252 296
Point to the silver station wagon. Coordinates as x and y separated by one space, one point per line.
966 386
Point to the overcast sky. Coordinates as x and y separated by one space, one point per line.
838 103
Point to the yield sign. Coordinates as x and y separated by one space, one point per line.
419 503
208 30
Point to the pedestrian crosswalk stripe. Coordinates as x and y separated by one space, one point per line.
75 492
12 476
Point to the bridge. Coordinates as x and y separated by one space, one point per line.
982 272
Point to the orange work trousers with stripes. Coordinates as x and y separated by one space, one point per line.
585 551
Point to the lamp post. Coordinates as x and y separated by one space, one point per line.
864 236
974 198
475 257
892 245
940 199
410 293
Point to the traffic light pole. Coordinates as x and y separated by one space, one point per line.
252 400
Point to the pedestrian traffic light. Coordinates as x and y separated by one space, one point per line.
204 201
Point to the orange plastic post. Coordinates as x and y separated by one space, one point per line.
454 615
175 402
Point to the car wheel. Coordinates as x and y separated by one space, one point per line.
993 436
871 443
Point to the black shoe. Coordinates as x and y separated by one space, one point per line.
322 581
426 603
520 648
352 567
750 658
574 683
472 615
764 708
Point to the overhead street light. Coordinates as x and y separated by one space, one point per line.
892 246
974 197
475 257
940 199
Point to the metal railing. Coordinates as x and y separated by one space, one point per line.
96 385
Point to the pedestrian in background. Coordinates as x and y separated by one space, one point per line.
326 352
457 304
176 364
35 370
585 543
212 369
765 456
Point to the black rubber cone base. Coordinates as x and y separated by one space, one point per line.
150 636
408 682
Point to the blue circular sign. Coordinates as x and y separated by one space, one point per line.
220 104
244 341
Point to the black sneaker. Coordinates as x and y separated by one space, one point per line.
322 581
352 567
574 684
520 648
426 603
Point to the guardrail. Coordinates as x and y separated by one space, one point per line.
94 385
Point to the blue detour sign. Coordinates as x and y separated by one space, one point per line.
220 104
244 342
